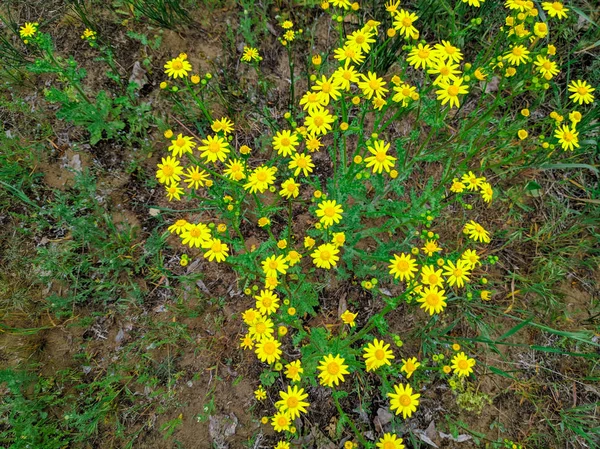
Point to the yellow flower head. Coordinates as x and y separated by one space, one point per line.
462 365
332 370
403 401
377 354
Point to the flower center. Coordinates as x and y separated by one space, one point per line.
453 91
458 272
410 366
424 53
291 187
318 121
261 328
214 147
404 400
285 142
180 142
374 84
326 87
445 71
292 402
402 265
389 445
347 75
168 170
269 348
407 22
557 6
177 65
567 136
406 92
329 211
517 51
582 91
433 299
433 278
463 364
301 162
333 368
195 233
217 247
262 176
273 265
266 302
325 255
381 156
379 354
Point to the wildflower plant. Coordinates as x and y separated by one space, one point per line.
375 197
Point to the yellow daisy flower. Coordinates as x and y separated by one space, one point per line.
403 401
332 370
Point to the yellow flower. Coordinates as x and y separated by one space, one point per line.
446 71
432 277
403 400
289 189
332 370
88 34
329 87
472 181
449 92
174 191
522 134
404 93
263 221
250 315
214 148
446 369
309 242
540 29
431 247
244 149
547 68
177 68
338 239
285 142
168 172
486 295
260 179
267 350
390 441
292 401
260 393
293 370
421 56
217 250
476 232
487 192
302 163
313 143
517 55
281 422
372 85
325 256
361 39
261 328
319 121
582 92
457 186
462 365
349 318
404 23
380 160
246 342
293 257
377 354
273 265
28 30
234 170
330 212
195 235
432 300
457 274
471 257
267 302
446 50
555 9
224 124
567 137
349 52
403 267
282 445
409 366
182 145
178 227
316 60
311 100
